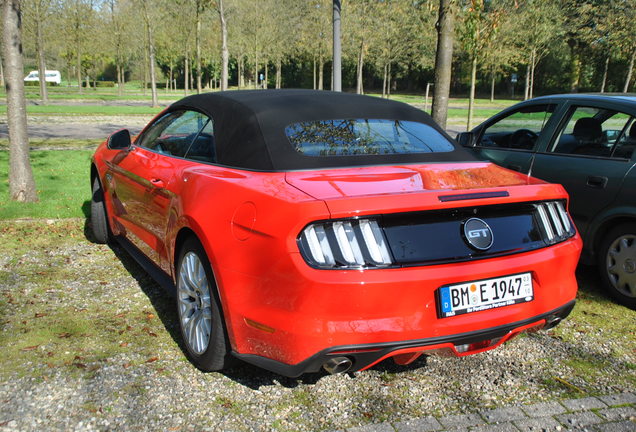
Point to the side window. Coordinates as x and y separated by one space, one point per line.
626 143
202 148
592 131
174 133
519 130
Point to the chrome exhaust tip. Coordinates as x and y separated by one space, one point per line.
551 322
337 365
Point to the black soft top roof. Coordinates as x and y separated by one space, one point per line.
249 127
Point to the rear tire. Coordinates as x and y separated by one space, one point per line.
617 264
99 219
199 309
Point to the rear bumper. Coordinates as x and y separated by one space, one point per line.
367 355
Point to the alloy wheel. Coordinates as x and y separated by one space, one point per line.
195 313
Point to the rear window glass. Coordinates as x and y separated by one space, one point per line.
351 137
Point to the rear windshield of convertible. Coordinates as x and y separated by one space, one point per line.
351 137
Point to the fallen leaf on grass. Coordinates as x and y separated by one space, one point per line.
80 365
50 354
120 315
64 335
123 344
127 365
40 315
152 359
29 348
149 316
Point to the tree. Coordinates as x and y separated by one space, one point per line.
225 55
119 29
359 24
534 41
443 62
21 183
78 18
315 35
395 40
479 27
36 13
145 7
622 16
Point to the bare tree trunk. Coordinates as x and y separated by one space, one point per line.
240 72
315 73
151 59
198 50
279 73
1 73
191 77
39 47
169 82
493 77
533 64
471 96
120 84
443 63
144 67
526 89
225 55
186 73
266 78
629 72
607 60
78 71
256 69
576 70
320 74
388 82
21 183
384 83
359 84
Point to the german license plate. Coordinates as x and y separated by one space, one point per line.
485 294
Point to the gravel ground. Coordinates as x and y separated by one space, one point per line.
89 342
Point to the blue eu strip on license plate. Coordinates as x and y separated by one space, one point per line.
475 296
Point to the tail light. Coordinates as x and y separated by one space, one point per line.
554 221
356 243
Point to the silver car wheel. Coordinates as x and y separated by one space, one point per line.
195 313
621 264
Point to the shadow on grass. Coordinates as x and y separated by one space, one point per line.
86 209
254 377
164 305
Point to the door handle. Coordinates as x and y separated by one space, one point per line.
158 183
597 182
514 167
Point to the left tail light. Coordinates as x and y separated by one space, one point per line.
355 243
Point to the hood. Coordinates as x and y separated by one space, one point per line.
391 180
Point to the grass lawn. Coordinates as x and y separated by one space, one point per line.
86 110
62 181
57 143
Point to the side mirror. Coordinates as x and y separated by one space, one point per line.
119 140
466 139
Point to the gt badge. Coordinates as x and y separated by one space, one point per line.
478 234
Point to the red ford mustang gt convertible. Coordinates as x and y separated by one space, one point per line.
302 229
